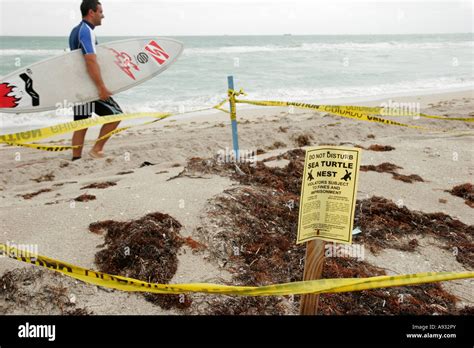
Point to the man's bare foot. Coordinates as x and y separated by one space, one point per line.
96 154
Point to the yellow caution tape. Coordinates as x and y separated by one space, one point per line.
355 112
344 111
362 113
67 147
232 93
389 112
445 118
219 106
371 110
303 287
47 132
52 148
20 138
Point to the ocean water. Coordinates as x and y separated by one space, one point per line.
312 69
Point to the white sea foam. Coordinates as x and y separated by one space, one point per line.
317 47
29 52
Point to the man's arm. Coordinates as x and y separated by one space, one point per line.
87 44
94 72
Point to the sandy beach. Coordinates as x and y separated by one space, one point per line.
59 225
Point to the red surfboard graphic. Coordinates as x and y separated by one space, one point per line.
157 52
7 101
124 62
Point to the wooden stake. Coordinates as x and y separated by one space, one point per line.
313 269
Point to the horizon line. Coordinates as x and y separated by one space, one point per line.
284 34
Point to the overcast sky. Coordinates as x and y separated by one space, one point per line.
240 17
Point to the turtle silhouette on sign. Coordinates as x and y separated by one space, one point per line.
347 176
310 175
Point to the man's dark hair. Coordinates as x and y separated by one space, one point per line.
89 5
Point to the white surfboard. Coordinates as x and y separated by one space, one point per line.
63 80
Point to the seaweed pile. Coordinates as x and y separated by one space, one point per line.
465 191
144 249
392 169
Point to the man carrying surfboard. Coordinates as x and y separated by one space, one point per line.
82 37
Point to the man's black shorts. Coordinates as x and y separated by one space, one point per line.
99 107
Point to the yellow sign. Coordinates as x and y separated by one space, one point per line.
328 194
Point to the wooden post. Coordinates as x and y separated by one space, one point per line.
313 269
233 117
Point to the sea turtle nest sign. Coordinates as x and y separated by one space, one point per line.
328 194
